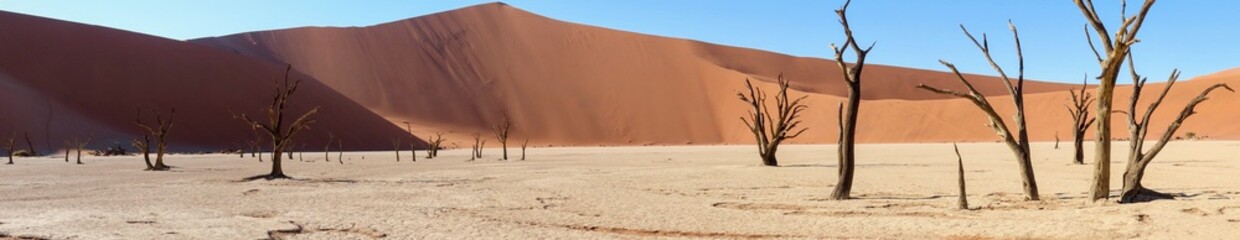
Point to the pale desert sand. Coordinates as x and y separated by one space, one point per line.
905 191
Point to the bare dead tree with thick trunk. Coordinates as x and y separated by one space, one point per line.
848 111
436 143
160 133
8 146
1079 110
771 128
501 134
1018 142
275 125
523 145
963 202
1110 61
1138 130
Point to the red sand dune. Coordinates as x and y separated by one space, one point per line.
463 70
93 80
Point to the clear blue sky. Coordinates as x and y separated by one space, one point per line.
1198 37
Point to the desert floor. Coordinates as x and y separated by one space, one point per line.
904 191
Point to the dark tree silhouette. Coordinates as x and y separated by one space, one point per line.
963 201
771 128
501 134
8 146
1079 110
848 111
275 125
1019 142
160 133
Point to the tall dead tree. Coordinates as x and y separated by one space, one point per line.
327 149
1018 142
340 151
1110 61
771 128
413 139
144 146
1079 110
396 147
963 201
847 111
68 149
275 125
8 146
1138 130
501 134
160 133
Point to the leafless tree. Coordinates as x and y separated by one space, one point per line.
1079 110
327 149
1138 130
413 139
30 146
436 143
68 149
1110 61
501 134
1019 142
275 125
8 146
79 144
340 150
160 133
523 145
963 202
396 147
771 128
848 112
144 146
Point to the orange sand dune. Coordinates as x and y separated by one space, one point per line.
569 84
93 80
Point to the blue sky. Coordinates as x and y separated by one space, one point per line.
1196 36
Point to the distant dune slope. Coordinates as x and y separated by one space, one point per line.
461 71
92 80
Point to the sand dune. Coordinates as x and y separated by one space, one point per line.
570 84
461 71
93 79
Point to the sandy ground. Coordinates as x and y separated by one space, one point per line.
905 191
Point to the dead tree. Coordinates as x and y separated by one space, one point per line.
501 134
396 147
523 145
275 125
436 144
413 139
79 145
30 146
1138 129
1079 110
1018 142
327 149
301 154
1110 61
144 146
474 150
847 111
771 128
1056 140
8 146
160 133
253 148
68 149
963 202
340 151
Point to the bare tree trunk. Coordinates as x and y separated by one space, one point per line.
1056 140
523 145
68 148
1079 110
275 127
1018 142
501 134
848 111
1115 51
963 202
396 148
340 151
30 146
8 146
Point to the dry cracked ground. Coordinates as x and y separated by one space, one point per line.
904 191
